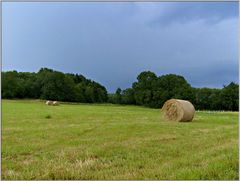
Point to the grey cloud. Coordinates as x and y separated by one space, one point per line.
112 43
209 12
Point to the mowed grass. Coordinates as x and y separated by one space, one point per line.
90 141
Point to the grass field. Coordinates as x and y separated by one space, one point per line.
87 141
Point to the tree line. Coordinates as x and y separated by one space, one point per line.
152 91
52 85
149 90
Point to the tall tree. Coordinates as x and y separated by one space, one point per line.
230 97
143 88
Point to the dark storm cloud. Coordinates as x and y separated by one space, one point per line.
113 42
210 12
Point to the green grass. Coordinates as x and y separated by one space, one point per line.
87 141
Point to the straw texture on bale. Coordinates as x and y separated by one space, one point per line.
178 110
55 103
49 102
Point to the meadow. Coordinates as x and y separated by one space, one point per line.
104 141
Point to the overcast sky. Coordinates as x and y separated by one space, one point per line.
112 43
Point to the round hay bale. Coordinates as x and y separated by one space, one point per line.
55 103
178 110
49 103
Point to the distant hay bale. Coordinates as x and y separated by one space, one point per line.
49 103
55 103
178 110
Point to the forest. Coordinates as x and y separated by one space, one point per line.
149 90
